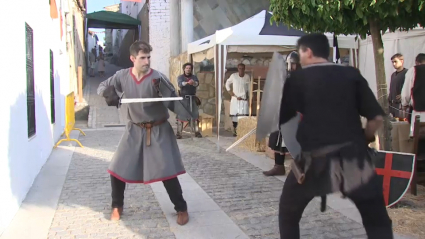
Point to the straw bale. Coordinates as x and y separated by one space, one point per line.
244 126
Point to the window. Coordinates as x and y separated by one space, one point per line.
30 81
52 89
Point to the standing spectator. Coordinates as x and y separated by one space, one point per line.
397 81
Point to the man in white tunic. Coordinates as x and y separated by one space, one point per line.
413 92
239 107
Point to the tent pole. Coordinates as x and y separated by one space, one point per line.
217 92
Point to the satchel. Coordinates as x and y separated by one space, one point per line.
111 96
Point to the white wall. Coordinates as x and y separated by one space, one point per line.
21 158
410 44
159 35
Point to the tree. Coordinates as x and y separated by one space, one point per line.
362 17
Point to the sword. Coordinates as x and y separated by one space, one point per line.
144 100
242 139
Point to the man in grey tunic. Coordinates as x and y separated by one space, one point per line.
148 151
188 84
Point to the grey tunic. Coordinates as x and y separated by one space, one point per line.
135 161
185 90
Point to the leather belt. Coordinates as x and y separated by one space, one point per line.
148 126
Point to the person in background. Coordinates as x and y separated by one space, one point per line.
413 92
188 83
397 81
92 60
239 106
101 64
276 142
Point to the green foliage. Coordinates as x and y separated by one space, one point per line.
348 16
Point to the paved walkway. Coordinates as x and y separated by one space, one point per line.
228 196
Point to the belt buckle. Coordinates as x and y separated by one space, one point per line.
147 125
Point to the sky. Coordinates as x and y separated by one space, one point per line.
98 5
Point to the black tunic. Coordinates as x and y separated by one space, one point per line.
396 85
331 99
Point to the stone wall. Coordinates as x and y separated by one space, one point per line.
206 92
176 67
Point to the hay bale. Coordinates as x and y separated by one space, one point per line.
244 126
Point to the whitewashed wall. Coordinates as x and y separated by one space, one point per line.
159 35
21 158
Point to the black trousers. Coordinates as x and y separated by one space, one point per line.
279 159
295 199
172 186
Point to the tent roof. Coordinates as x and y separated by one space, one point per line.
257 31
111 20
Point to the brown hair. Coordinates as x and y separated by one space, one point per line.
140 46
398 56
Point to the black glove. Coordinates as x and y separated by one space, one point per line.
111 96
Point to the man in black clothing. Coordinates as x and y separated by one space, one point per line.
335 156
397 81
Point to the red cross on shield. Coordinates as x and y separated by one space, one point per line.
395 169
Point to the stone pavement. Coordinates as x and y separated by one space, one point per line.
227 195
100 114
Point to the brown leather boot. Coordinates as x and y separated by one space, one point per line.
182 218
275 171
116 213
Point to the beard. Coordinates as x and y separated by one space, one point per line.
144 68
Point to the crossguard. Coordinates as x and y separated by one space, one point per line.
119 101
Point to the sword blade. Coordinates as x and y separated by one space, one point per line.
144 100
241 139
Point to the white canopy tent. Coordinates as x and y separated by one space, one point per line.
410 44
254 35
